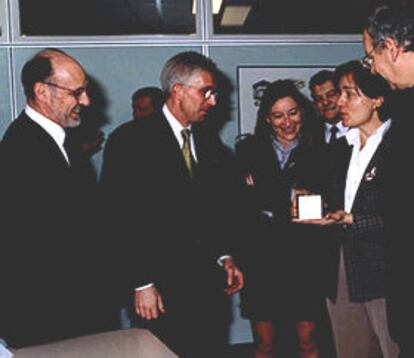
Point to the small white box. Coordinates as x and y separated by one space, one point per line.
309 207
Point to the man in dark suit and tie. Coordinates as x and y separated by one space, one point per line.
325 95
170 188
388 43
50 286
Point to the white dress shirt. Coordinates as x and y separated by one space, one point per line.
360 159
53 129
177 128
341 130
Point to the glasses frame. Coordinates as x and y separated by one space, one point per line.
367 60
77 93
207 92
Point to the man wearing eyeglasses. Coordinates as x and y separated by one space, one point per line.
325 95
389 45
52 267
176 178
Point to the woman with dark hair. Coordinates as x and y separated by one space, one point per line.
356 201
280 258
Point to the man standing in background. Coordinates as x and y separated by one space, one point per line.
325 95
145 101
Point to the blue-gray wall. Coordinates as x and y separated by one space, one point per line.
5 97
120 67
120 70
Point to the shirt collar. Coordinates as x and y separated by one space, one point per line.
52 128
338 125
352 136
175 125
280 146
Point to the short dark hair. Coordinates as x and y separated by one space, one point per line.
38 69
155 93
181 67
320 78
372 86
394 21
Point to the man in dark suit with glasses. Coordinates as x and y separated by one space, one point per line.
51 288
175 179
388 40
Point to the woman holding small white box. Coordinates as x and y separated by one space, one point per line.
280 258
356 199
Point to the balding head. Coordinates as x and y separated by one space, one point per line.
38 69
55 85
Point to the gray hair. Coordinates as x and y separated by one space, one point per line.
183 66
392 21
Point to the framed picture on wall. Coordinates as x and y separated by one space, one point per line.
253 80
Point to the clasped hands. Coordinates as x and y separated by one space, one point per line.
149 304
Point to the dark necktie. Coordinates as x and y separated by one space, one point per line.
68 148
334 130
72 148
187 150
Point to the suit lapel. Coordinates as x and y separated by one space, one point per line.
170 143
270 160
44 137
373 172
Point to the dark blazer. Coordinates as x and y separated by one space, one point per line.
273 185
171 228
363 242
51 286
281 260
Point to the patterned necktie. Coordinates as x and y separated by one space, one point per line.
334 130
187 150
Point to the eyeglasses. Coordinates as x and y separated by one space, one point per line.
368 60
206 92
77 93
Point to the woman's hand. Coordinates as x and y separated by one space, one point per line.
294 195
339 217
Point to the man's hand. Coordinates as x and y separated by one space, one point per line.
235 279
148 303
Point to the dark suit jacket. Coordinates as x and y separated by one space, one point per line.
281 260
398 223
273 185
363 242
53 264
172 228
